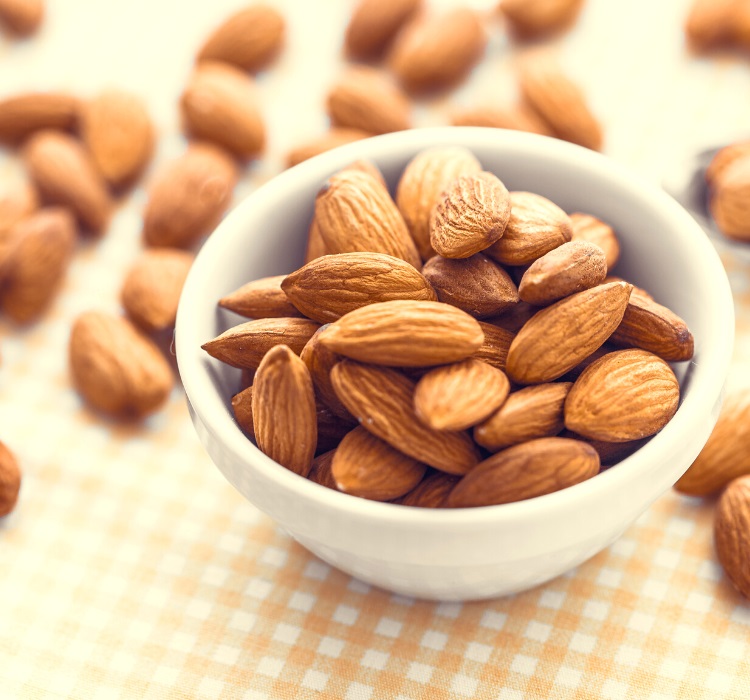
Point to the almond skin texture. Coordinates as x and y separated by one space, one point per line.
366 466
431 492
65 174
320 361
559 101
437 52
458 396
382 400
730 200
626 395
118 132
530 413
331 286
248 39
422 184
284 410
374 24
16 203
152 287
525 471
471 215
732 533
570 268
364 98
536 227
726 455
589 228
22 17
475 285
263 298
557 338
530 19
355 213
515 118
242 407
10 480
220 105
245 345
494 349
189 197
333 138
405 334
23 114
320 472
116 368
41 248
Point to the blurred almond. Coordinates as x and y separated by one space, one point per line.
262 298
16 203
333 138
725 157
320 472
732 533
10 480
320 361
589 228
494 349
709 23
515 118
242 407
374 24
530 19
22 17
25 113
730 200
431 492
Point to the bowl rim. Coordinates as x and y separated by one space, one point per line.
706 383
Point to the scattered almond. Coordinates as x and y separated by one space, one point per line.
374 24
333 138
516 118
732 533
725 157
23 114
589 228
10 480
729 201
242 407
22 17
709 23
535 18
431 492
263 298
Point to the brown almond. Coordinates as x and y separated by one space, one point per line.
569 268
589 228
364 98
283 406
23 114
65 174
118 132
320 472
729 201
355 213
709 23
220 105
333 285
530 413
262 298
10 480
382 400
116 368
531 19
316 246
152 287
365 466
16 203
249 39
245 345
373 25
625 395
40 251
438 51
536 227
494 349
732 533
242 407
320 361
331 428
528 470
188 197
516 118
422 184
22 17
458 396
405 334
560 336
725 157
333 138
431 492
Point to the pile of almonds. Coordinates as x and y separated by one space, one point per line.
460 346
728 180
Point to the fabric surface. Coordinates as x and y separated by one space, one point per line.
132 569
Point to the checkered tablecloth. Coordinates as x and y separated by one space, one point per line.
131 569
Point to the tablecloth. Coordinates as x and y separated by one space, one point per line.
132 569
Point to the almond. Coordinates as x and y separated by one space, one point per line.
10 480
242 407
364 98
219 105
64 173
22 17
23 114
709 23
422 184
516 118
320 361
320 472
331 428
494 349
188 197
625 395
316 246
730 200
570 268
41 248
365 466
245 345
405 334
530 19
431 492
283 408
458 396
262 298
152 287
475 285
726 455
724 157
536 227
16 203
249 39
437 52
382 400
558 101
530 413
333 285
528 470
333 138
732 533
355 213
557 338
470 216
589 228
118 132
374 24
368 167
116 368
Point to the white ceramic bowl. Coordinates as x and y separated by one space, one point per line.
480 552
